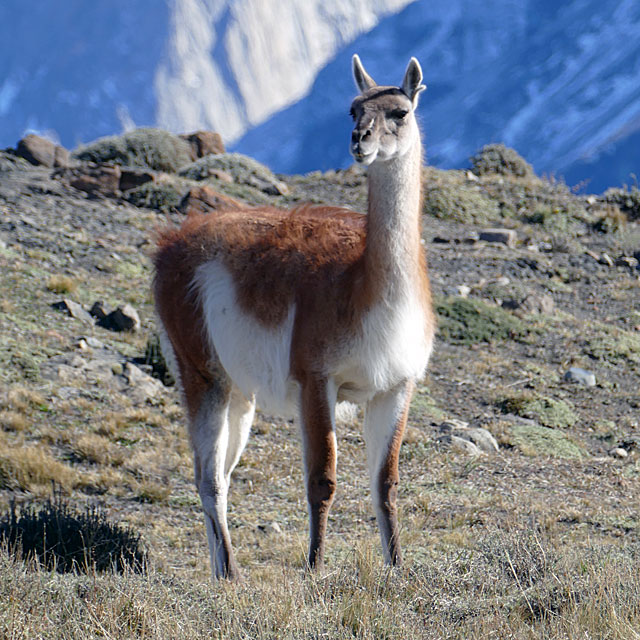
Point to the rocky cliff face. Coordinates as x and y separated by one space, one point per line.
81 70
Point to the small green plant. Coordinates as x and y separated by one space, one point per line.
66 540
153 356
469 321
163 196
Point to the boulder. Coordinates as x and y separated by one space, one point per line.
40 151
203 143
95 179
205 199
124 318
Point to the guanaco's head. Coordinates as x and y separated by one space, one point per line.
384 122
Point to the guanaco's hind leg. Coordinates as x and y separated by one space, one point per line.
384 424
319 449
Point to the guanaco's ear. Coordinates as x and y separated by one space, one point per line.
412 83
363 80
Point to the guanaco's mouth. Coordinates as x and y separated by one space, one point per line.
365 158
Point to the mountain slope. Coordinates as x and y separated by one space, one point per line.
550 80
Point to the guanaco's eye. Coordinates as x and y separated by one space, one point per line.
398 114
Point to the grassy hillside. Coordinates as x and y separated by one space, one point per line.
539 539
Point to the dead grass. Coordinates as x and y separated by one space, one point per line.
58 283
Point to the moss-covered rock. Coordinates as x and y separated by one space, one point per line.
469 321
549 412
499 159
152 148
536 440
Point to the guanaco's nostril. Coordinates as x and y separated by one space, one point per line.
366 134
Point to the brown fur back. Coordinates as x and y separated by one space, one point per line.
275 256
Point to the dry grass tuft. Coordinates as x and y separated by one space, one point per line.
30 467
13 421
59 283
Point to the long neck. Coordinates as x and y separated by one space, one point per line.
393 255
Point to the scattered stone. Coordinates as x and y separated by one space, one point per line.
270 187
464 290
618 452
205 199
117 369
580 376
482 439
3 245
460 444
530 304
472 176
74 309
606 260
457 432
144 385
507 237
274 527
99 310
40 151
94 343
449 425
124 318
627 261
203 143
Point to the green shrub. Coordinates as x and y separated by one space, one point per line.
153 356
65 540
627 200
469 321
164 196
459 202
150 148
499 159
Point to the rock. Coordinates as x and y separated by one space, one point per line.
74 309
580 376
270 187
205 199
130 178
124 318
94 343
530 304
449 425
453 431
606 260
460 444
102 179
472 176
482 439
99 310
627 261
203 143
507 237
40 151
464 290
618 452
144 386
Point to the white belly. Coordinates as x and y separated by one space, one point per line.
256 358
